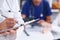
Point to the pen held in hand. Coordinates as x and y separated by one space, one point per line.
26 23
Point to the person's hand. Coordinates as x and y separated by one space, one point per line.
10 22
44 23
23 16
7 23
11 32
46 26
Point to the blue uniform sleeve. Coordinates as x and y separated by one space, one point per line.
24 9
48 9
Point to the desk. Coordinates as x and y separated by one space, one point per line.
56 32
35 34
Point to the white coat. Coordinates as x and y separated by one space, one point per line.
5 7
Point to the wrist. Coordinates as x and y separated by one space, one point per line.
48 21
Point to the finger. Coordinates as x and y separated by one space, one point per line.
5 33
15 21
15 29
12 31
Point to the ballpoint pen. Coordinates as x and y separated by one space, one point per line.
26 23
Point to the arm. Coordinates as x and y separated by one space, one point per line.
46 24
25 9
4 20
23 16
48 19
48 12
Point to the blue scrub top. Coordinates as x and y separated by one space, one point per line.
36 11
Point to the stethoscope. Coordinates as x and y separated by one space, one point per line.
32 10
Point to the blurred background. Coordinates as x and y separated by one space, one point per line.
53 10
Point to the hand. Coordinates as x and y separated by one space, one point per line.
46 26
10 22
44 23
23 16
7 23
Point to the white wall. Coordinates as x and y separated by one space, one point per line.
50 2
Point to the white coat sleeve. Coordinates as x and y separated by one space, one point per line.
1 18
17 14
19 19
1 4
